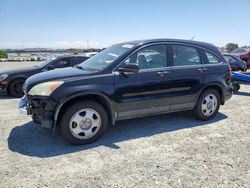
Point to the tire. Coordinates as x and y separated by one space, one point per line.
83 122
208 105
236 87
15 88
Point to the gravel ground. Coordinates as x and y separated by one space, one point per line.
173 150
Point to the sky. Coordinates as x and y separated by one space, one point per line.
101 23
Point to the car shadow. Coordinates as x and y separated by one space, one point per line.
242 93
32 140
6 97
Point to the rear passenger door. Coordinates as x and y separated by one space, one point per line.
188 75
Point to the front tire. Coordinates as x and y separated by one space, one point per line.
208 105
84 122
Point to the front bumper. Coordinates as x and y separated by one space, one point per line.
41 109
23 105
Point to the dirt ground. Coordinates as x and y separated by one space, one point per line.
173 150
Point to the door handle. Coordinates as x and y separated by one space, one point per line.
202 70
162 73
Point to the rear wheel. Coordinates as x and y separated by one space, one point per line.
208 105
15 88
84 122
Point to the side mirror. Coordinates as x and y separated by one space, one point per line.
50 67
129 69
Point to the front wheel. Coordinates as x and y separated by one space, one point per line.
84 122
15 88
208 105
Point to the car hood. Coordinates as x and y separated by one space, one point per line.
21 70
53 75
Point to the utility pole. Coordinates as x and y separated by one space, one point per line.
87 44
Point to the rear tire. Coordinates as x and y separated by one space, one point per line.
84 122
208 105
15 88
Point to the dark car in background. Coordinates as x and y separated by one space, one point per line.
242 53
11 81
236 63
128 80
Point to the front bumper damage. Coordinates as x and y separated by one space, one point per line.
41 109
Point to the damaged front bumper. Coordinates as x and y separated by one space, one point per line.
23 106
41 109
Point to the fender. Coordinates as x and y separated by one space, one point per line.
23 77
58 108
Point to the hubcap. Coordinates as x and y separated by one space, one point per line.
85 123
209 105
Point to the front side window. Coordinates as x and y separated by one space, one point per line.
229 59
61 63
149 57
212 59
77 60
185 55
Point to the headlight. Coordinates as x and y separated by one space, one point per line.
3 77
45 89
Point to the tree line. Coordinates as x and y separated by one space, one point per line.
3 54
231 46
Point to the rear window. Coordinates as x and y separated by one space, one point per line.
212 59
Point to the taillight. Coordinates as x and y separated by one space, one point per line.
228 77
230 71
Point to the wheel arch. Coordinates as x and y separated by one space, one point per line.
14 79
95 96
218 87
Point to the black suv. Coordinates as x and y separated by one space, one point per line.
11 81
129 80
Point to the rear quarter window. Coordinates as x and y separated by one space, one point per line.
212 59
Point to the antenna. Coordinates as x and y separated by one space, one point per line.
192 38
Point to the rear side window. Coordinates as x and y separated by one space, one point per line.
185 55
212 59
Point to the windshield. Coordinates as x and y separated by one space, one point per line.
239 51
106 57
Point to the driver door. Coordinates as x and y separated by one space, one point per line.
145 92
